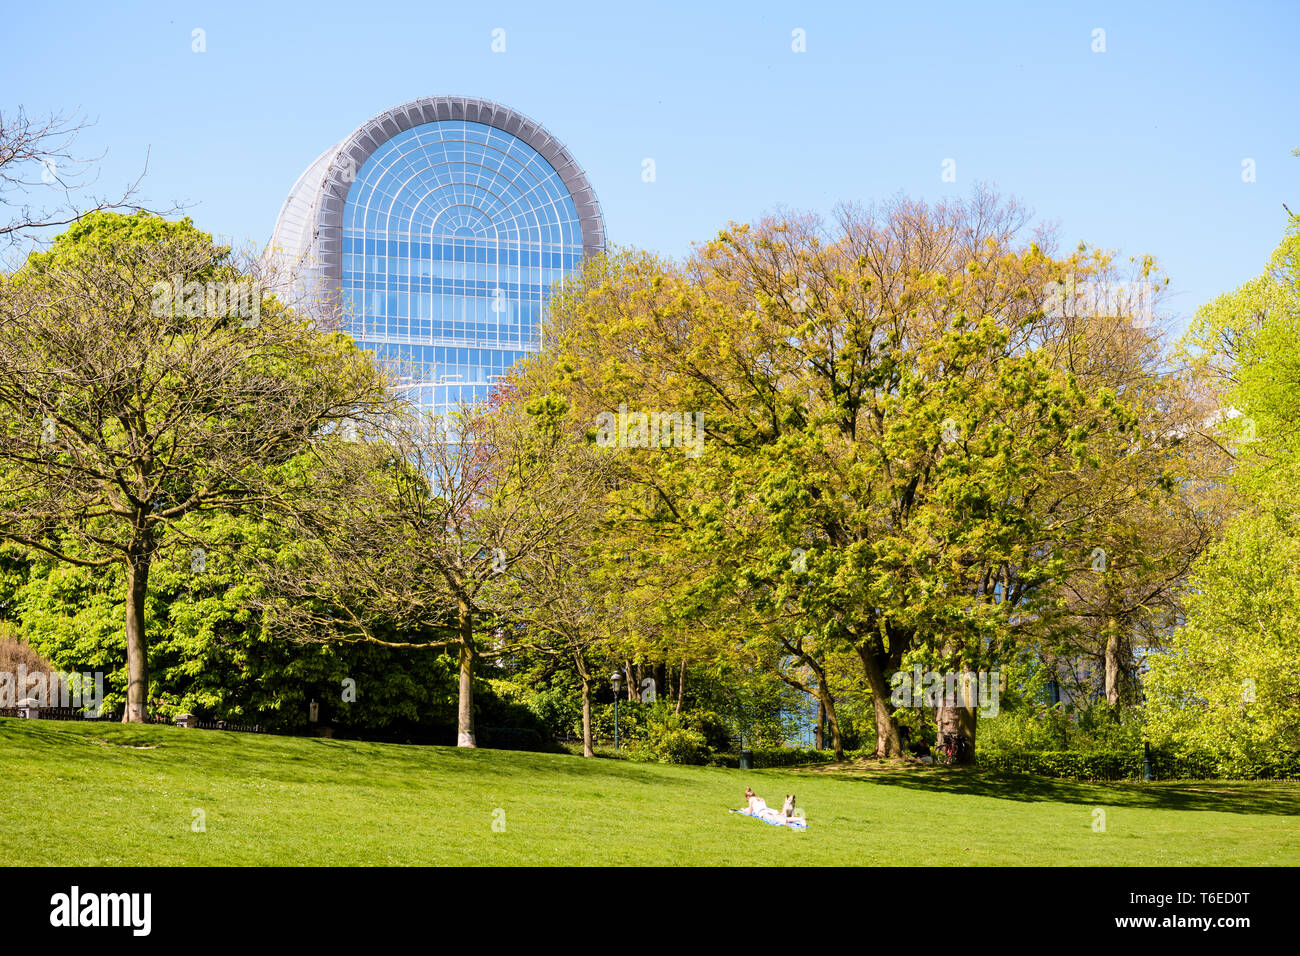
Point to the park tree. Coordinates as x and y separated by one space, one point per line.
1228 681
1226 684
417 534
210 651
563 606
1148 502
674 611
883 430
145 378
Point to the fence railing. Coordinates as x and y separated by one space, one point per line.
73 713
46 713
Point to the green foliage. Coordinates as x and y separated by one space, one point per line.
209 655
655 732
749 705
698 727
912 444
512 738
631 721
771 757
1228 682
893 422
1128 765
148 415
507 719
554 700
668 740
714 728
1038 727
1247 341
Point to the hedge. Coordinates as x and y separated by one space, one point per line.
769 757
764 757
1128 765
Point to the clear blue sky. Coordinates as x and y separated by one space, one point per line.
1138 148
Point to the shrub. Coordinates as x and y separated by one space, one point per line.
713 726
672 746
1061 727
14 654
631 721
668 739
1127 764
556 705
504 721
771 757
790 757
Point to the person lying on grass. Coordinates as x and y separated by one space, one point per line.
757 807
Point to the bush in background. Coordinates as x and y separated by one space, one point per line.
16 656
1128 765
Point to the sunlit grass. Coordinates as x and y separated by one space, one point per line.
108 794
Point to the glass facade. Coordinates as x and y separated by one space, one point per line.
453 233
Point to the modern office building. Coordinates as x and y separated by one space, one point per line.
439 227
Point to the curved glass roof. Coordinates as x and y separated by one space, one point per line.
461 179
438 229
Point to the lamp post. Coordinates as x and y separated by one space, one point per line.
615 681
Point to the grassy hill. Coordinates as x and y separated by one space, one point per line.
107 794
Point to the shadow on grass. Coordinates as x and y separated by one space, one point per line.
89 745
1221 796
91 748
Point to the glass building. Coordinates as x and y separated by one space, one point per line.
439 228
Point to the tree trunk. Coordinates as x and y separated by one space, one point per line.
888 742
1112 661
833 720
465 705
137 647
585 676
820 739
681 686
956 714
826 715
957 720
587 749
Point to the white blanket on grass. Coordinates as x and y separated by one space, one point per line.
761 811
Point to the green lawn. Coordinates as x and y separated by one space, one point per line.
106 794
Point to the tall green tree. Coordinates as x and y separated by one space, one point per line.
885 436
1228 682
420 532
146 377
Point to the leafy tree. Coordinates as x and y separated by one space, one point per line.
886 434
1228 684
416 533
134 393
550 599
1229 680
